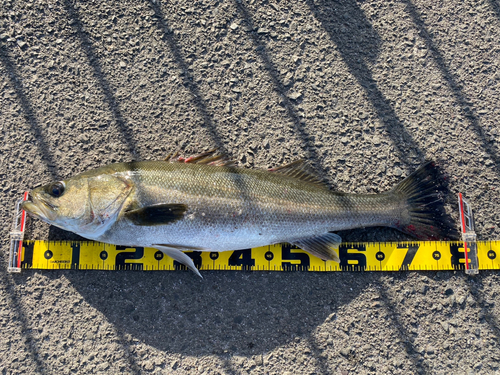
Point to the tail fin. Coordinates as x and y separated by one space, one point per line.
423 192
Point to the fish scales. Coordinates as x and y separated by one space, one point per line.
231 208
178 206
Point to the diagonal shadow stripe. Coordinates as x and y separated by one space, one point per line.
319 356
357 41
188 81
495 5
466 107
17 314
299 125
187 78
476 291
399 326
131 357
29 114
109 97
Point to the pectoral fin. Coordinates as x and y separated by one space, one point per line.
158 214
176 254
321 246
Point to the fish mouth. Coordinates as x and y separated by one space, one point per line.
40 208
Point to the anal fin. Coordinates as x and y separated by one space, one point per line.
176 254
321 246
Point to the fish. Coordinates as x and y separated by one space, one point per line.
206 203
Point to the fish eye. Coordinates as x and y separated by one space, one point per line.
56 189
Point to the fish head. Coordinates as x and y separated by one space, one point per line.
86 204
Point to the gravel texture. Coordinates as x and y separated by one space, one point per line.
365 90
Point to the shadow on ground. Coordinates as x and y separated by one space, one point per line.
234 313
238 313
27 111
465 105
358 44
109 96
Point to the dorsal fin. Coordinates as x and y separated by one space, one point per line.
171 156
301 170
208 157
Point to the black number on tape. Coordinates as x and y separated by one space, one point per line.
269 255
28 254
288 255
159 255
120 263
380 256
410 254
75 255
214 255
492 255
345 257
436 255
456 255
242 258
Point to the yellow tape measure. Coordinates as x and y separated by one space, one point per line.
386 256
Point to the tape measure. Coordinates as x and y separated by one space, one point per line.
387 256
469 254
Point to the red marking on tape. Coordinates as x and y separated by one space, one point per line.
462 216
23 221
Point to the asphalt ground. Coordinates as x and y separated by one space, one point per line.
364 90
